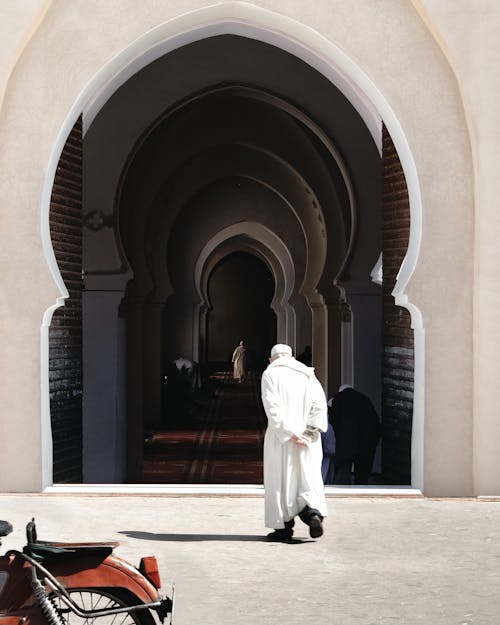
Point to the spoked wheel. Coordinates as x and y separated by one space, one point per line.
102 599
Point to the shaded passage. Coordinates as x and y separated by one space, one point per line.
218 442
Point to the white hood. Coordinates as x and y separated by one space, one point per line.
291 363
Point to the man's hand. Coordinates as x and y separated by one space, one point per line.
300 440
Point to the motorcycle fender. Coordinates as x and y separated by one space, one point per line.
11 620
111 572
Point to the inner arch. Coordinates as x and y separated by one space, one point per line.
240 291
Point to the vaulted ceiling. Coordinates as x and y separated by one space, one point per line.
231 144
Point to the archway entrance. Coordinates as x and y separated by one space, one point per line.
235 145
240 289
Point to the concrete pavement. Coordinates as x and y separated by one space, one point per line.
382 560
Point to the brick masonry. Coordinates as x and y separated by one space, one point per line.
65 333
398 361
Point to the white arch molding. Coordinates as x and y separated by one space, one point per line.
271 249
240 18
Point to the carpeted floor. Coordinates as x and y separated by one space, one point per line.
219 442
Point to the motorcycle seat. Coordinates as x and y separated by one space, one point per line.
5 528
49 548
46 549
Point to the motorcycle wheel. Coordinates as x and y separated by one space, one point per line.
101 599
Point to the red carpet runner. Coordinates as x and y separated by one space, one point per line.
220 443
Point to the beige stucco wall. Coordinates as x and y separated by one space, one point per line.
397 47
468 35
18 21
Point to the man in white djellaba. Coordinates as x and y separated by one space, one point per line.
297 412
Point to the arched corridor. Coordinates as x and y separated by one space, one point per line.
240 149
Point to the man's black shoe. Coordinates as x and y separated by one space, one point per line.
280 536
315 526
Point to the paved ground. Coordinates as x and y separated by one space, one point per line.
382 561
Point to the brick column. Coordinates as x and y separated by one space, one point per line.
398 363
65 332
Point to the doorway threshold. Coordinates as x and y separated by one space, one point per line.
217 490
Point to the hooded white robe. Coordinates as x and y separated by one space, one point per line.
293 399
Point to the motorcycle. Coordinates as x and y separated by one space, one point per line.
55 583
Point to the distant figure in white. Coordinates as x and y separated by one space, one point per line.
239 364
297 412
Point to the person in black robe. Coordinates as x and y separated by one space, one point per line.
328 463
357 432
306 356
